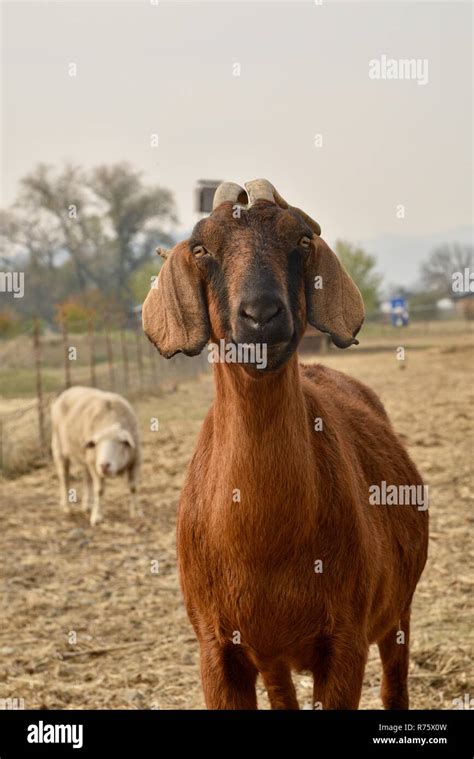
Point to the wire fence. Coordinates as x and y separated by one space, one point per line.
40 365
121 361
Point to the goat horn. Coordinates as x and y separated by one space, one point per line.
228 191
163 252
262 189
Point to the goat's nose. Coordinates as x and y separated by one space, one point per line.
260 311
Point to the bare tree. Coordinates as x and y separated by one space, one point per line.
25 236
135 215
86 229
437 272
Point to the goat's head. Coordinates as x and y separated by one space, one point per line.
254 271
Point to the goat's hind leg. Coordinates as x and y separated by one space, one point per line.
228 676
338 671
394 653
280 687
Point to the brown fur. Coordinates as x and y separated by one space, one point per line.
247 566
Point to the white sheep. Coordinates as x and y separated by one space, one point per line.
97 430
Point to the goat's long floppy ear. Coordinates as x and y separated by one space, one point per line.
174 313
333 301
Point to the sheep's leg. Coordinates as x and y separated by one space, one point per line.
132 475
62 468
98 488
338 673
228 677
280 687
394 652
87 493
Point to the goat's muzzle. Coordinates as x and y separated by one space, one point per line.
264 320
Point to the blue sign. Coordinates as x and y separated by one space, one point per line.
399 312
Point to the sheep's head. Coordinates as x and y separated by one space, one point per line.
111 450
254 271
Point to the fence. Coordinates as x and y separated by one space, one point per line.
122 361
39 366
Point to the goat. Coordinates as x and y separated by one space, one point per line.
99 431
285 563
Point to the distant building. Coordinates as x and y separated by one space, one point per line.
464 305
205 192
314 341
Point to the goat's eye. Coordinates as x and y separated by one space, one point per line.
305 242
199 251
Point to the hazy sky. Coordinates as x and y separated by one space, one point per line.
304 70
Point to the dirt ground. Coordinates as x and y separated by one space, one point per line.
88 622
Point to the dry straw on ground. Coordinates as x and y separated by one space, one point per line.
135 648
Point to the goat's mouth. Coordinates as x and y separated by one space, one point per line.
256 358
280 353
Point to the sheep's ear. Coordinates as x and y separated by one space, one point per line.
174 313
333 301
125 437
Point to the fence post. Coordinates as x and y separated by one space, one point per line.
110 359
91 354
154 371
124 358
39 384
67 363
138 339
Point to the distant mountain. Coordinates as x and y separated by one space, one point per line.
399 257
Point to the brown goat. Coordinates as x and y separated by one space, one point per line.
285 563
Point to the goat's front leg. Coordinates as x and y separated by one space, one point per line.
338 673
228 677
98 490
